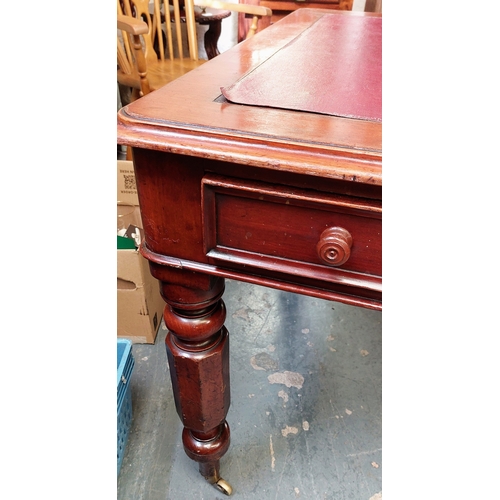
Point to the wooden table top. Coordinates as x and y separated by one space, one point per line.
190 116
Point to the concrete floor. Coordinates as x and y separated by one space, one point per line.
306 406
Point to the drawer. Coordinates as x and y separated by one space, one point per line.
298 232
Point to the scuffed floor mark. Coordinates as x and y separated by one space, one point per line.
377 496
254 364
283 395
242 313
368 452
290 379
262 361
305 425
271 449
289 430
364 352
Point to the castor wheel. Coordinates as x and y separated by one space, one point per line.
210 471
224 487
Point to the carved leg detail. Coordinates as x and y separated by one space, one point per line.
198 354
211 39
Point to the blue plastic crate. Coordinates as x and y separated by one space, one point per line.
125 366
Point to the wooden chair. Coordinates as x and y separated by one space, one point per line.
147 57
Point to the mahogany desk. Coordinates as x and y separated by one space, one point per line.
280 198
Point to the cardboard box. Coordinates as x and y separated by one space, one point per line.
139 303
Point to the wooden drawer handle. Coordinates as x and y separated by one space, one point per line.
334 246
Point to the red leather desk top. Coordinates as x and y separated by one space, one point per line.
333 68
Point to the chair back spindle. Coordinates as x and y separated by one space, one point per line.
146 33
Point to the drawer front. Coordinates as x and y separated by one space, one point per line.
299 232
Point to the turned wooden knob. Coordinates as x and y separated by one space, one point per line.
334 246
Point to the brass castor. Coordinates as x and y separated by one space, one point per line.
210 471
223 487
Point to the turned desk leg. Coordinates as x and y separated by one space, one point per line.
198 353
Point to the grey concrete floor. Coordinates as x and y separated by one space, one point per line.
306 406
